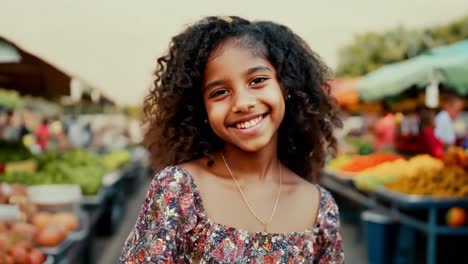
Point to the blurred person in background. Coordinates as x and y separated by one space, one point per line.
23 128
58 139
10 130
444 121
79 134
431 144
385 130
42 134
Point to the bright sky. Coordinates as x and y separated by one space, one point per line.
113 44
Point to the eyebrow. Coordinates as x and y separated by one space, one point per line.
258 68
249 71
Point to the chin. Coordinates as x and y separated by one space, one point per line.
252 147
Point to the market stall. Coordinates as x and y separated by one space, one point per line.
80 190
407 191
416 192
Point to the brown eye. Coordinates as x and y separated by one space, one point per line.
258 80
219 92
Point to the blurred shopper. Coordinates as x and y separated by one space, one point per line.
79 134
385 130
431 144
10 130
43 134
444 121
23 128
58 139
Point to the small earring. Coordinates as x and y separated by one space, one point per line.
289 96
206 121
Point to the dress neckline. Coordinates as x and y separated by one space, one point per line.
309 230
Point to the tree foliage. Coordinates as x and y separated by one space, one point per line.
372 50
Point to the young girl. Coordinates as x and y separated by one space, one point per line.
240 120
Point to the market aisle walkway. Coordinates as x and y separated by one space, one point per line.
107 250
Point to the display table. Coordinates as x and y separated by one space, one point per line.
397 206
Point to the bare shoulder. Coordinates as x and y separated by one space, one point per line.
196 168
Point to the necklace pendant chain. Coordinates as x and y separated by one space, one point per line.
264 223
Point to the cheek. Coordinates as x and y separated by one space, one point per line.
279 103
281 109
215 113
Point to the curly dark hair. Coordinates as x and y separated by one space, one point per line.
175 112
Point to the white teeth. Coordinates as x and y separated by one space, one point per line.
250 123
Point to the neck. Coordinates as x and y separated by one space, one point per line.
261 165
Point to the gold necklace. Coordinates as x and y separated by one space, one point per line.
265 223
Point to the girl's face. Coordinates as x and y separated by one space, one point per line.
242 96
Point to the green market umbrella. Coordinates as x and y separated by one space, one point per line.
449 64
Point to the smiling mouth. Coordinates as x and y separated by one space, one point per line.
250 123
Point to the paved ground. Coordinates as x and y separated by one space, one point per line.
107 250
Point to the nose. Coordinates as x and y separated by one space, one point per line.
244 100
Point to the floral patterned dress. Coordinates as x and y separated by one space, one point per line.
172 227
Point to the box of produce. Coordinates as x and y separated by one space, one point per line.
75 167
56 197
115 159
375 177
29 165
28 237
17 244
54 228
9 212
445 182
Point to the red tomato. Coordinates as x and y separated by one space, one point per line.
36 256
19 254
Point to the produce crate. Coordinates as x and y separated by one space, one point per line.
21 166
56 197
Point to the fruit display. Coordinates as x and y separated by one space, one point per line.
456 156
16 194
52 229
371 179
445 182
49 228
74 167
115 159
361 163
339 161
17 244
